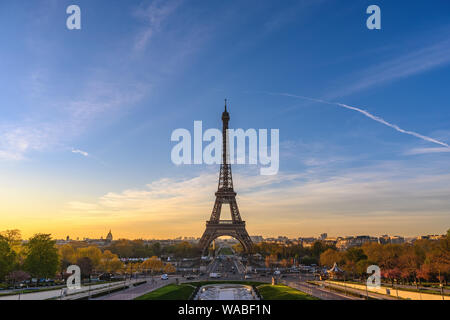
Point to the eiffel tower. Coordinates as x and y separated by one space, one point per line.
216 227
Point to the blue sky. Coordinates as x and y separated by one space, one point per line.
116 89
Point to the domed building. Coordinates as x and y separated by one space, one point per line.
109 237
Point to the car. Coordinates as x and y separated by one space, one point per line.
277 272
164 277
190 277
215 275
248 276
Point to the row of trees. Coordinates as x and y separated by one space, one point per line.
38 257
91 259
423 260
138 249
41 258
287 255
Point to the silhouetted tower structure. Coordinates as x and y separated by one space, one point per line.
225 194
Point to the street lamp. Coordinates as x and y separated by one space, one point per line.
367 292
345 285
396 287
441 285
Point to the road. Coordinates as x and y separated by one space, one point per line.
69 293
134 292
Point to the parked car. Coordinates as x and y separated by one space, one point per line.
164 277
106 276
248 276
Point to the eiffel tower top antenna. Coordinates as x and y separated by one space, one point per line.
225 105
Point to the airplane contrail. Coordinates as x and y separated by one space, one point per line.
371 116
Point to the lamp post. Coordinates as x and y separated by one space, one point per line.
345 285
396 287
417 288
21 290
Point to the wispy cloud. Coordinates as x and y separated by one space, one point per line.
414 62
153 15
17 141
83 153
371 116
426 150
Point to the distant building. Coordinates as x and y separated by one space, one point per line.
431 237
397 240
257 239
109 237
323 236
330 241
349 242
385 239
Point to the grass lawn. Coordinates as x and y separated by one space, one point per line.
169 292
185 290
282 292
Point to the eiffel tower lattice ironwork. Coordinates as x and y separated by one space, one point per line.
225 194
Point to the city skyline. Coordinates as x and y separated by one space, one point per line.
87 116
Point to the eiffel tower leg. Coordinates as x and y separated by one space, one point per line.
206 239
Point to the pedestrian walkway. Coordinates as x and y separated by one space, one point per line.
134 292
317 292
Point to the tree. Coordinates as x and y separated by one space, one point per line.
270 261
86 266
330 256
123 248
18 276
156 249
424 273
284 263
154 264
391 274
13 237
67 253
91 252
409 262
169 268
110 262
42 258
7 257
355 254
67 256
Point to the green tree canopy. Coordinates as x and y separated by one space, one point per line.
7 257
42 258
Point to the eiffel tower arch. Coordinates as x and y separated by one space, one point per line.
225 194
